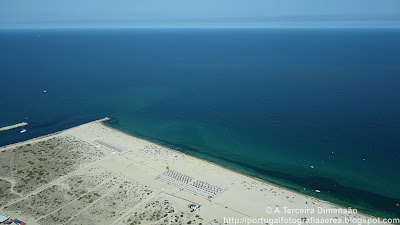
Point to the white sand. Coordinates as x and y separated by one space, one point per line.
242 197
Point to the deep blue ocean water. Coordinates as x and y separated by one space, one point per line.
268 103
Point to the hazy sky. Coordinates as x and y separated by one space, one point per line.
201 13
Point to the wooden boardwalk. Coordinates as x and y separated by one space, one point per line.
13 126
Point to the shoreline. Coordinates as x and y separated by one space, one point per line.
101 122
2 148
243 173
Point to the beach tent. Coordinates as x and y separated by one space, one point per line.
16 221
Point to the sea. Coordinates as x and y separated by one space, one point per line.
305 109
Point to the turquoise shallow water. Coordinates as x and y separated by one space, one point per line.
269 103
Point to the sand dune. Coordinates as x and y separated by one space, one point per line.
73 178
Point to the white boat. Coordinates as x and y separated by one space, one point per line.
23 130
318 191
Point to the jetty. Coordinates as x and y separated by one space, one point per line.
13 126
103 120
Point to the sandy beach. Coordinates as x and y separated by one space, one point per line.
93 174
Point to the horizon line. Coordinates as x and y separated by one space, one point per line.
199 28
